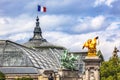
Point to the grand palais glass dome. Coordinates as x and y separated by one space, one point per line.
35 54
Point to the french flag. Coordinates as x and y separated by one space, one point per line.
41 8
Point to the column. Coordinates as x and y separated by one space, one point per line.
87 73
97 74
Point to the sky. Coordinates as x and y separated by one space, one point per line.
68 23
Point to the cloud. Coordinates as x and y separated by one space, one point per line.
20 29
75 42
20 36
55 22
14 25
97 22
114 26
90 24
104 2
3 21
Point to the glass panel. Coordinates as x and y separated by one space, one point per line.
14 56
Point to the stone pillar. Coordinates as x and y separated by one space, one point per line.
97 73
87 73
66 74
92 65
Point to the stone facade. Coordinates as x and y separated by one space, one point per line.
92 67
68 74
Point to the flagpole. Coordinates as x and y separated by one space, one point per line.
37 9
40 9
38 13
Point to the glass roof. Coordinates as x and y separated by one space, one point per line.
13 55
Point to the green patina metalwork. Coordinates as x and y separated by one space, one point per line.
68 60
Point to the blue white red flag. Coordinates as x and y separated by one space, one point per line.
41 8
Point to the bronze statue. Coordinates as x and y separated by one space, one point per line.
91 45
68 60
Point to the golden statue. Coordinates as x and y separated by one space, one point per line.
91 45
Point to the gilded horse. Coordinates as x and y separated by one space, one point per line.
91 45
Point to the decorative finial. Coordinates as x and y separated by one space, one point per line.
37 19
37 33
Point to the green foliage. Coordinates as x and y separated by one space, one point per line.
68 61
24 78
2 76
110 70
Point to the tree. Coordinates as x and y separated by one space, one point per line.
24 78
110 70
2 76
